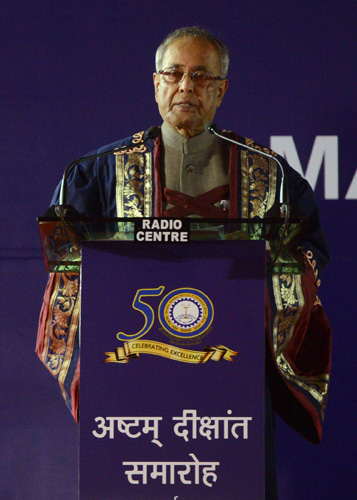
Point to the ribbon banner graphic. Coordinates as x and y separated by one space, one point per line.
133 348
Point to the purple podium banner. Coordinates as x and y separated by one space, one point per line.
172 371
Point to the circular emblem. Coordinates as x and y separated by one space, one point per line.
186 312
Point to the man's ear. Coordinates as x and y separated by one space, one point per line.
156 79
222 89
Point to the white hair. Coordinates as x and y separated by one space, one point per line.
200 34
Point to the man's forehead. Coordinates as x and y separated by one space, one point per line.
197 67
196 53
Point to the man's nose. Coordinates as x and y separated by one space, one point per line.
186 84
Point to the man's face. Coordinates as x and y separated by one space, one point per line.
185 106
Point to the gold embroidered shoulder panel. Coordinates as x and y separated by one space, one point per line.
134 178
258 184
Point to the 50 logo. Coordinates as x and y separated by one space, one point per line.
185 313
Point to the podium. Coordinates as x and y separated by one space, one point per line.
172 356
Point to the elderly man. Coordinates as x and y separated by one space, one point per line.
183 170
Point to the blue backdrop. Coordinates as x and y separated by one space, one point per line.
77 75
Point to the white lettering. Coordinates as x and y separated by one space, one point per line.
184 237
210 427
188 472
124 425
352 190
167 236
140 236
162 224
324 151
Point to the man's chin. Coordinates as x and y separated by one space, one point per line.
186 127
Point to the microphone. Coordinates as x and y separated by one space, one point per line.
150 134
211 127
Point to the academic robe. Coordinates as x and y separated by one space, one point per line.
298 334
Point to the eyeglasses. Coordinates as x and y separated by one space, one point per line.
199 78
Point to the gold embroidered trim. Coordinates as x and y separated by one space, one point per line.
262 179
288 309
251 143
148 186
137 139
317 386
49 318
119 185
134 185
244 184
272 183
73 329
60 336
290 301
136 149
310 257
317 301
258 179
